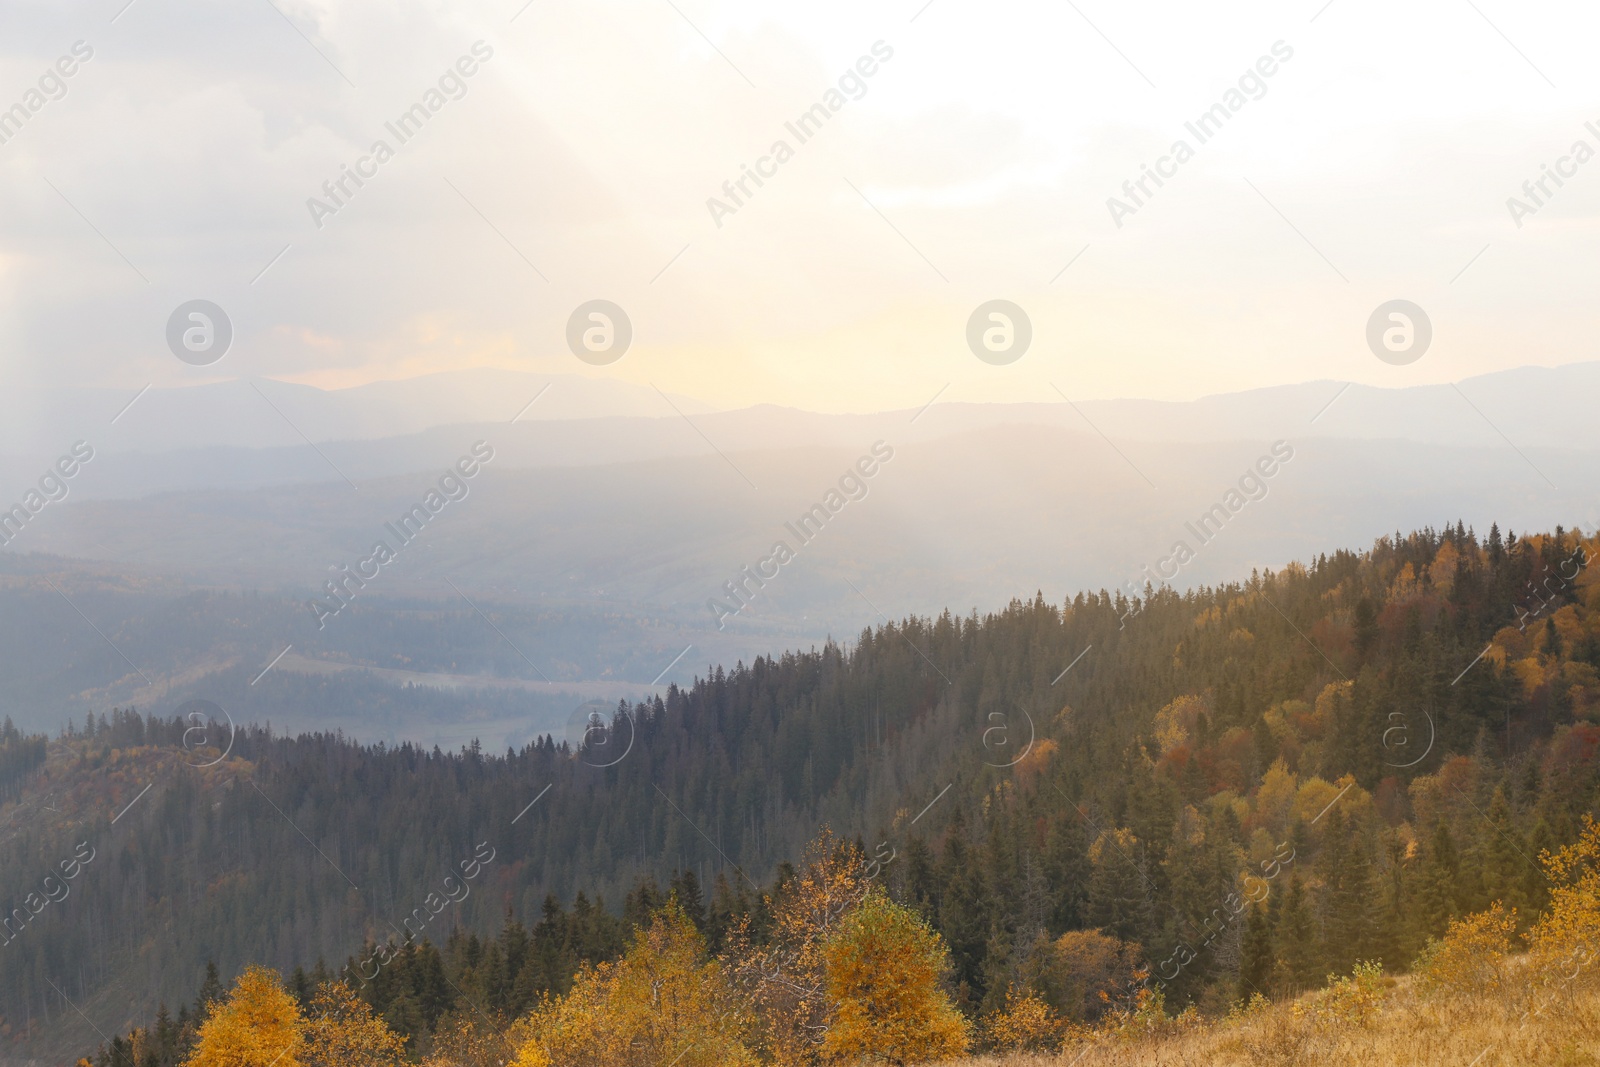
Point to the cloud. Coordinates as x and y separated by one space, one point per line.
586 148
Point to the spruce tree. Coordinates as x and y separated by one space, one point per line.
1255 966
1505 858
1297 967
1437 884
1352 897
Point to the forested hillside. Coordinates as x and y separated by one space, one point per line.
1237 789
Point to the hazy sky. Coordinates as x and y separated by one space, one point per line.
577 163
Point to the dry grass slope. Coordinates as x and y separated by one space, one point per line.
1405 1030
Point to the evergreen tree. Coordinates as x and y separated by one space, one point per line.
1297 966
1352 898
1256 966
1437 885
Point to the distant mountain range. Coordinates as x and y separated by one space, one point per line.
609 541
242 435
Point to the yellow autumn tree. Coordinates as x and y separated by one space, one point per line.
342 1032
663 1002
884 967
257 1025
785 976
1562 947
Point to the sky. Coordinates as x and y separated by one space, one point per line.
975 163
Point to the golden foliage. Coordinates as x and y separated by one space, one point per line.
1471 958
258 1025
1404 1032
1274 798
467 1039
663 1002
883 966
343 1032
786 978
1143 1015
1442 571
1352 1001
1038 758
1025 1023
1564 942
1175 723
1084 969
1112 846
1315 795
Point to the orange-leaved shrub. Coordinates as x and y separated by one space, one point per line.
1564 943
341 1031
663 1002
1026 1023
1349 1001
884 968
1471 957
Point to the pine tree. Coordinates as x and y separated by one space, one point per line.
686 886
1255 968
1297 967
210 992
1118 903
1437 884
1505 858
963 914
1352 899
